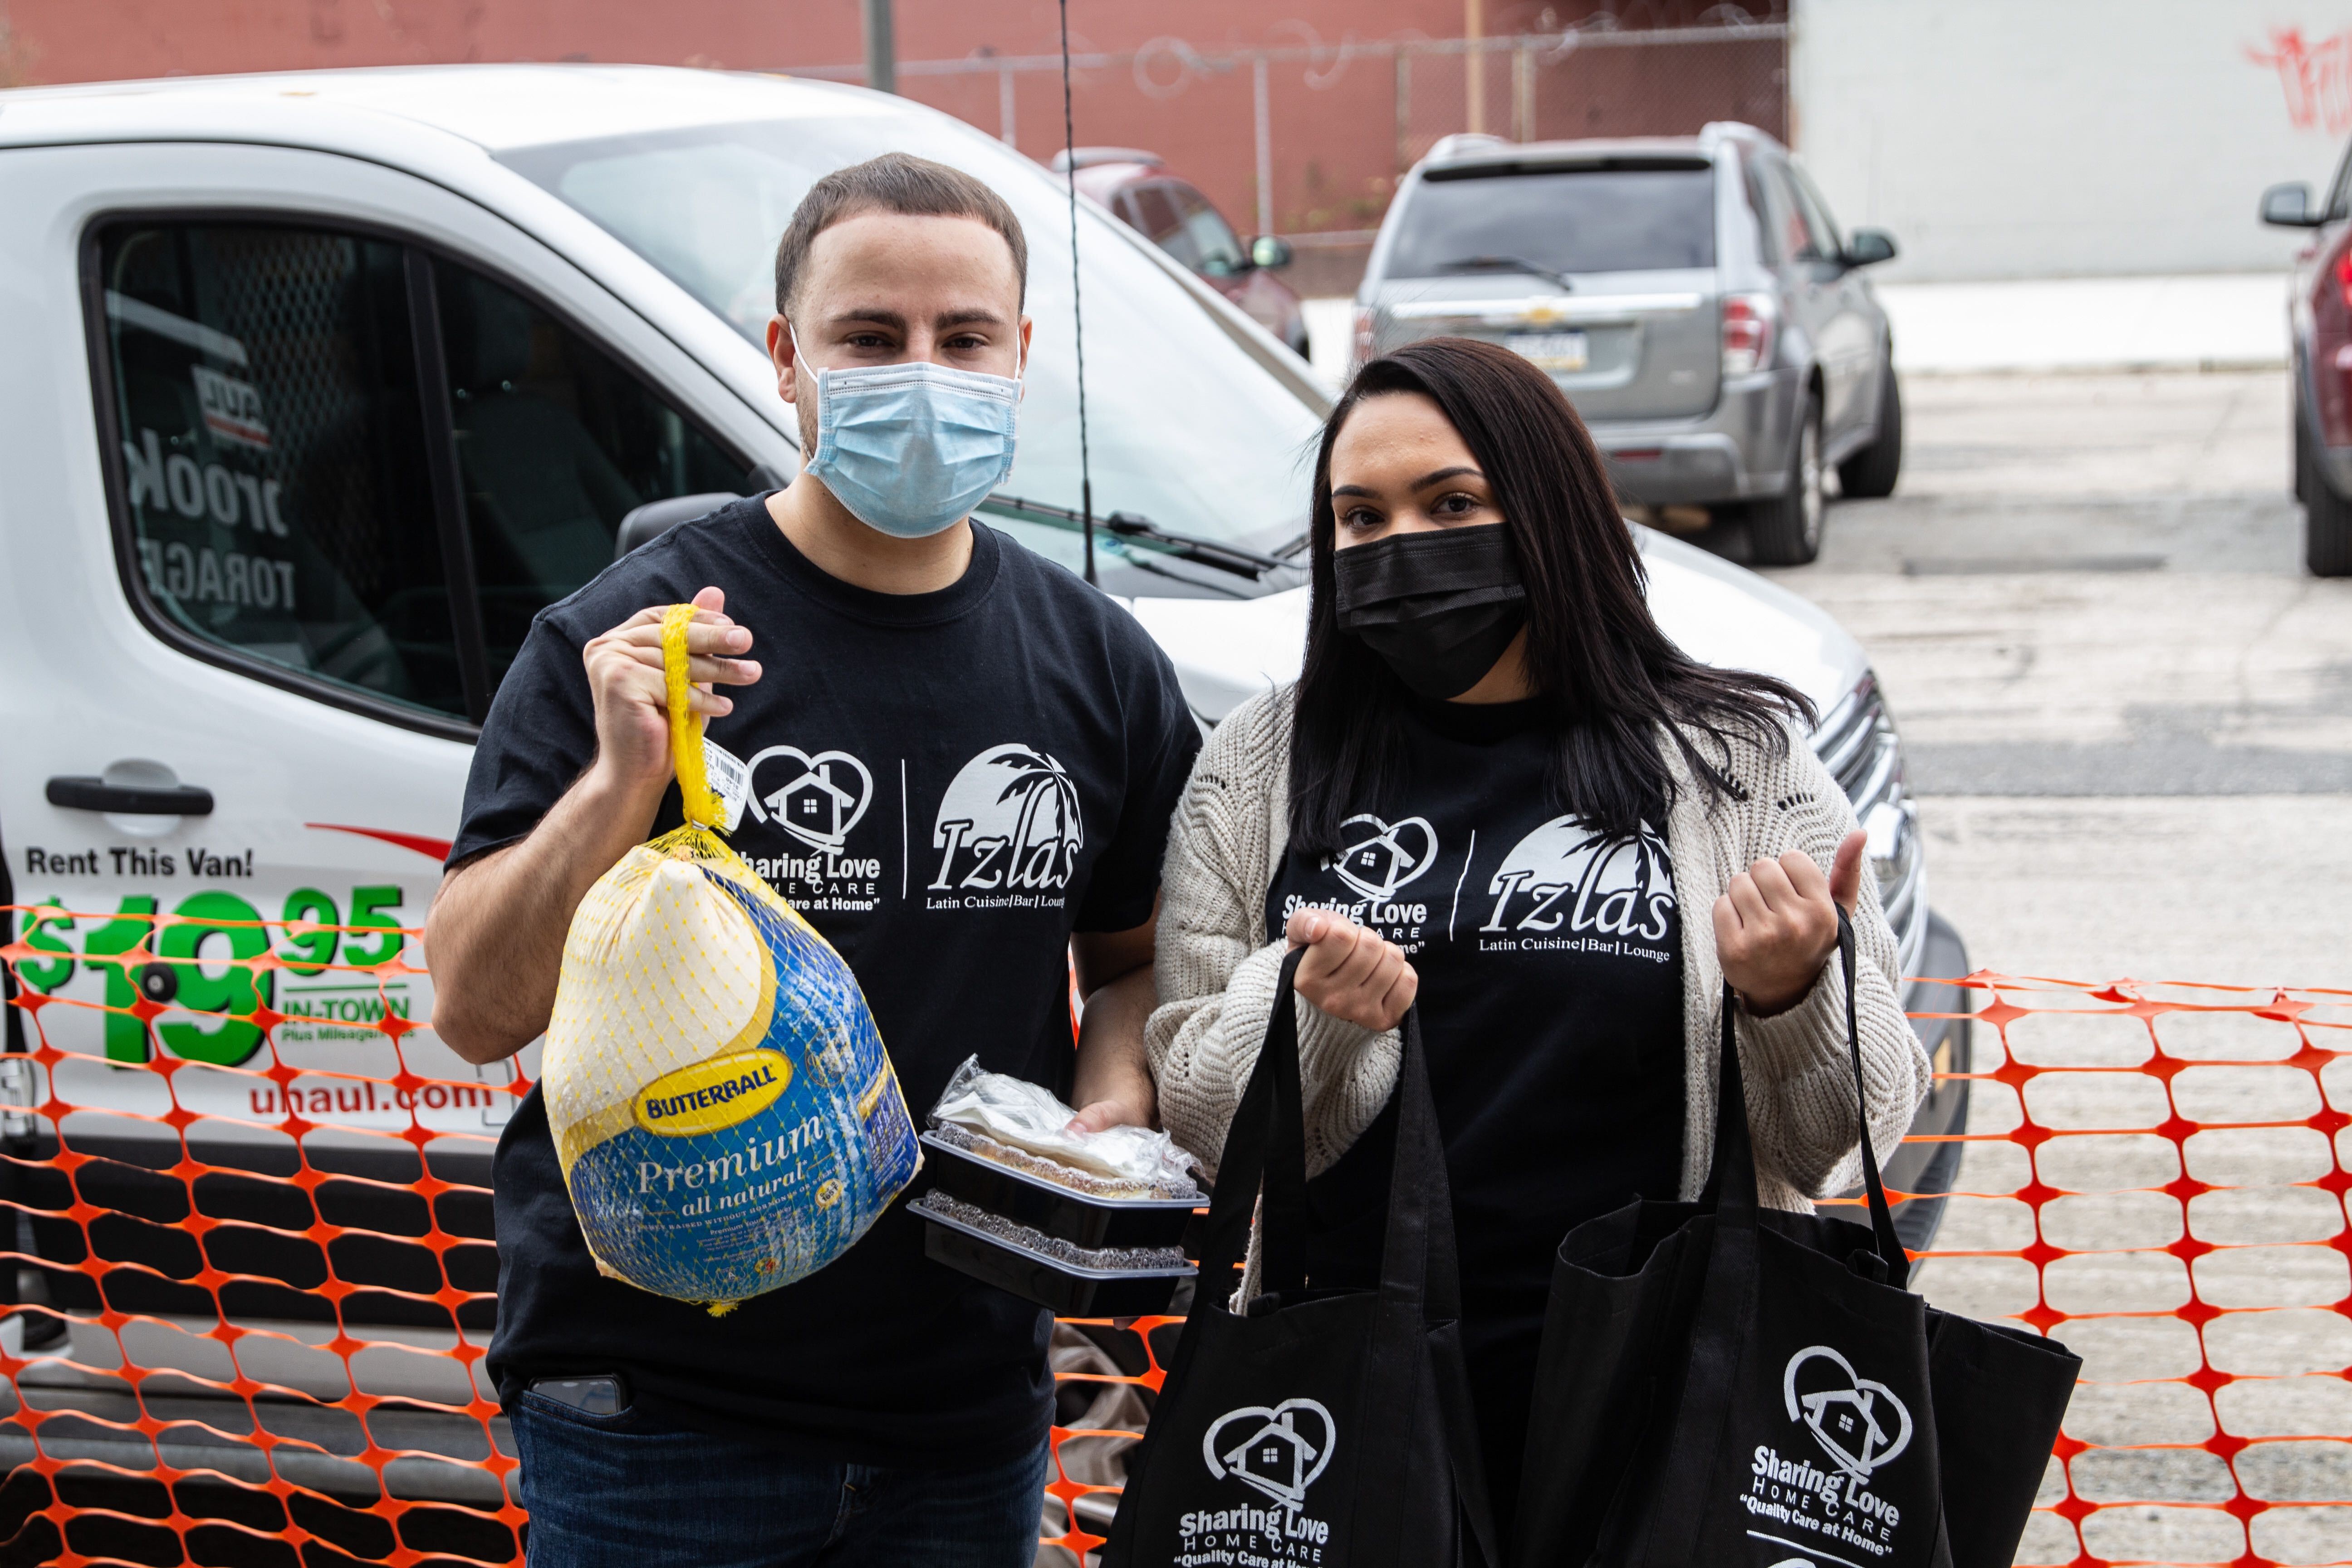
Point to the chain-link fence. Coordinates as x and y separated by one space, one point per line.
1310 138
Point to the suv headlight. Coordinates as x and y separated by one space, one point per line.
1856 741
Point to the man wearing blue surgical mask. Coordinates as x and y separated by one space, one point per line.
961 764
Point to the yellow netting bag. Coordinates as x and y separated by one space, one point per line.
726 1117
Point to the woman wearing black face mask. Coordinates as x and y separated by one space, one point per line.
1498 786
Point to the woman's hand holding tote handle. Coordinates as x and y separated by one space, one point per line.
1349 973
1776 924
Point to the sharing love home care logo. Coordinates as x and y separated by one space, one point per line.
1378 857
1860 1426
1277 1451
817 798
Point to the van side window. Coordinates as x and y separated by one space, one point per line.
273 451
556 442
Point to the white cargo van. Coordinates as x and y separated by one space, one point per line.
317 387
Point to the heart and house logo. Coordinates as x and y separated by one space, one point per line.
1278 1449
1377 858
1861 1426
1859 1422
815 798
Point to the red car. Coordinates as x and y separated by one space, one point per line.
2319 319
1174 215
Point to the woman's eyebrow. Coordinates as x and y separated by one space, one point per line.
1339 491
1442 475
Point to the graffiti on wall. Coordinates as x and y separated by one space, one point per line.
2315 74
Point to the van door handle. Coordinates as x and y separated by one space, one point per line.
82 792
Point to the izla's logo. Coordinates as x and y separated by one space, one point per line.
1279 1451
1378 857
1010 821
1859 1424
1565 874
817 799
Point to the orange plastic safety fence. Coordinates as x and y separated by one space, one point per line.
243 1189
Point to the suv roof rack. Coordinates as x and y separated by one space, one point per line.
1463 142
1088 157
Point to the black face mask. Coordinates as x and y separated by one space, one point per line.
1439 607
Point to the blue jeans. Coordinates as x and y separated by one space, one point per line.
617 1491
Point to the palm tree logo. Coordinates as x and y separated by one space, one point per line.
1010 820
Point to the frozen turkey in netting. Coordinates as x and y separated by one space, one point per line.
725 1114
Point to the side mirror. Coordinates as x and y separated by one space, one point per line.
1270 250
1868 246
2289 206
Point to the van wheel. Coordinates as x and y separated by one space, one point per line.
2326 516
1871 472
1786 530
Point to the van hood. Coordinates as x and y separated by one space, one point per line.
1227 651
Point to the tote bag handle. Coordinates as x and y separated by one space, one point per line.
1882 1217
1731 1183
1267 1145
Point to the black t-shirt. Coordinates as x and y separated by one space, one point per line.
1551 1007
948 785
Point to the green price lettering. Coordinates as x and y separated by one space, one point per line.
126 1035
371 907
40 931
237 990
312 951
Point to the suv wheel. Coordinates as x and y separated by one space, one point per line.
1786 530
1871 472
2326 516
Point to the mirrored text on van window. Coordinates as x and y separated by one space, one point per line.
273 459
556 442
1566 220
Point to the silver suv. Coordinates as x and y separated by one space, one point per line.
1690 295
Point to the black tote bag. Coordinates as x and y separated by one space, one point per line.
1726 1384
1324 1427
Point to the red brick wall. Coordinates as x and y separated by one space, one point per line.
1336 148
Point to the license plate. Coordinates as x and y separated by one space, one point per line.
1548 350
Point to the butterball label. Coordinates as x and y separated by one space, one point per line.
709 1095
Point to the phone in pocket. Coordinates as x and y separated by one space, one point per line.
588 1395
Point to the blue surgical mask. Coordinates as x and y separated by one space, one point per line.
911 448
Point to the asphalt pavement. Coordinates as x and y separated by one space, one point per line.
2128 712
2126 708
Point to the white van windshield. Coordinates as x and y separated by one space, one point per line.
1185 427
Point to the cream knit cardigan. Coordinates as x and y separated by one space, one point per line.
1217 971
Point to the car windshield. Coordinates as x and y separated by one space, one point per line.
1460 222
1185 427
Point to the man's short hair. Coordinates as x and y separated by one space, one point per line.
893 182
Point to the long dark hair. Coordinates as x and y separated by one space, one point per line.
1607 675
